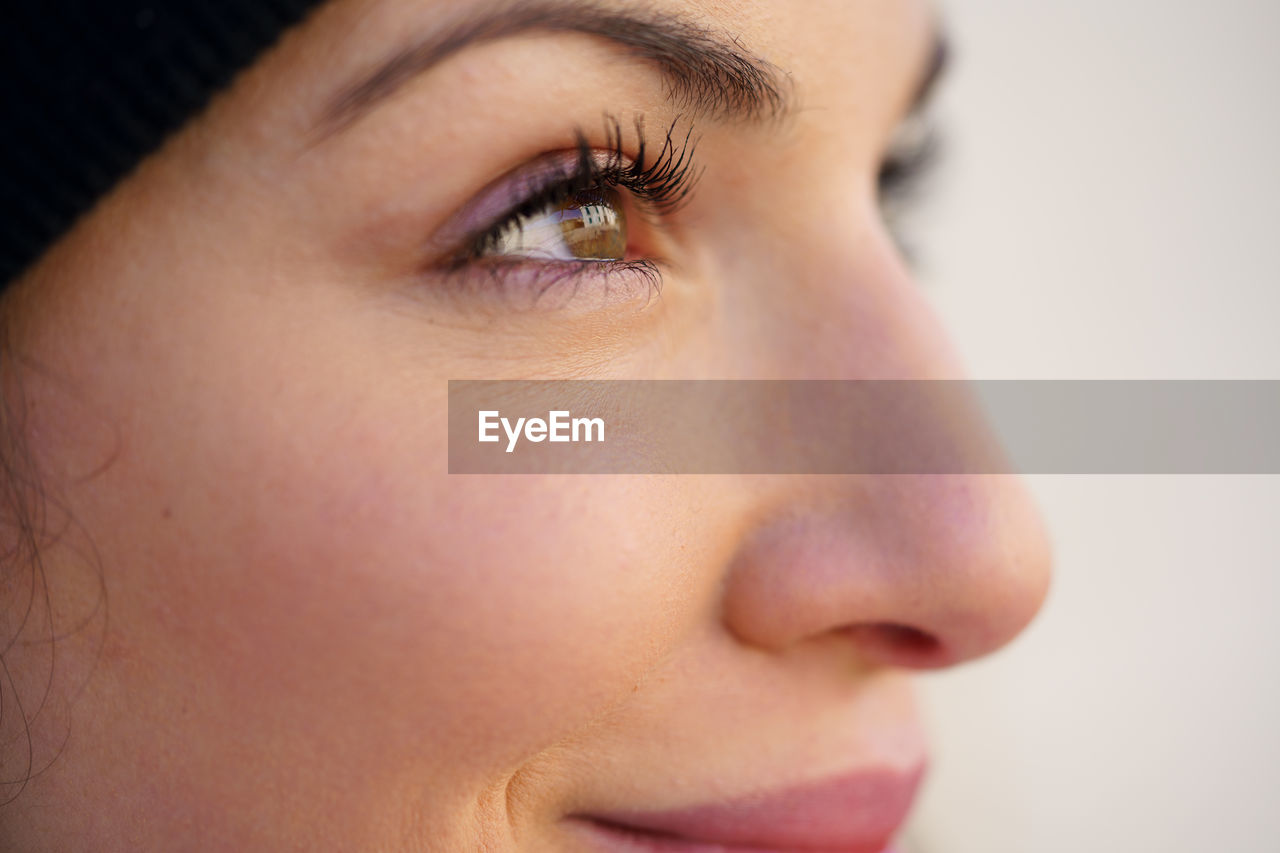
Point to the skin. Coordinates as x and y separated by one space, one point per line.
311 636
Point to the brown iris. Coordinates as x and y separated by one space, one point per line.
592 225
588 225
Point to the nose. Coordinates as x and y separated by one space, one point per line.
921 570
918 571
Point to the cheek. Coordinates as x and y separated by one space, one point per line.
333 580
288 564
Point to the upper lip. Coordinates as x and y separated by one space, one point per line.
852 813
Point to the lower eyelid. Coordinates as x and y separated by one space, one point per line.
542 285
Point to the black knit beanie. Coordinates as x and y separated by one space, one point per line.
90 87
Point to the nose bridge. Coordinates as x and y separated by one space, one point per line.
830 298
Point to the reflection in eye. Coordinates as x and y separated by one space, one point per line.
571 219
589 225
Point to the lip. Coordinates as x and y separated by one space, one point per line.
854 813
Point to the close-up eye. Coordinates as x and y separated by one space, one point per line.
599 210
587 225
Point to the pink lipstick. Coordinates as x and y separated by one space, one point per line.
854 813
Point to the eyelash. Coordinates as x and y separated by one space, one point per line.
660 187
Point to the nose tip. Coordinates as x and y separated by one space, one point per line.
919 572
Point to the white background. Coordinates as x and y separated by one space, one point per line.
1110 209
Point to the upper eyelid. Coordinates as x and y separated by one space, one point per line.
668 167
501 197
538 201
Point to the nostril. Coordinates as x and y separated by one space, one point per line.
898 645
908 637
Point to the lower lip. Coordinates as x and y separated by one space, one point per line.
608 838
856 814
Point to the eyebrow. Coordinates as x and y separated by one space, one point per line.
705 71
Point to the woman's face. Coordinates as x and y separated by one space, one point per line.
315 637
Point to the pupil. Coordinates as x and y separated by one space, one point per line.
593 225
